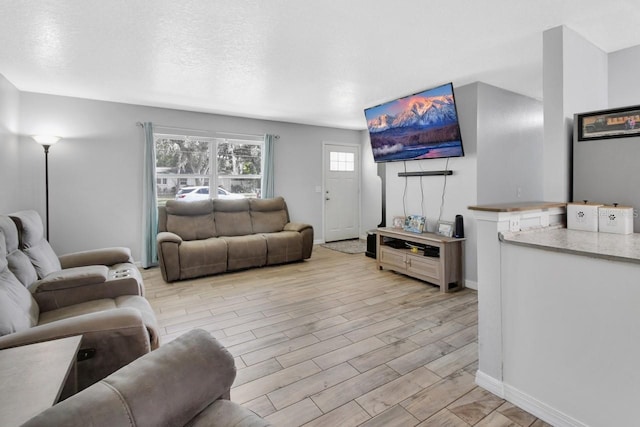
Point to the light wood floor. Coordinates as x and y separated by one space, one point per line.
332 341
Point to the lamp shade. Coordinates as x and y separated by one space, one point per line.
46 139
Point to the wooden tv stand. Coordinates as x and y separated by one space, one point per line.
445 270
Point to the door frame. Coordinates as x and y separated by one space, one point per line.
358 148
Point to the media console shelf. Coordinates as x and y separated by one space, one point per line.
444 270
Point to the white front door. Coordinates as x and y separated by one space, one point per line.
341 192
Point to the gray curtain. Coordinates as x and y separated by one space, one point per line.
267 176
149 200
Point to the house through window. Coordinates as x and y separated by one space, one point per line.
190 167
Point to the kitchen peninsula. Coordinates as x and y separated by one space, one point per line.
558 323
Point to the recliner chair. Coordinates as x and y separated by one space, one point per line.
184 383
69 279
115 330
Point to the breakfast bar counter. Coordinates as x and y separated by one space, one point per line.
558 315
569 325
614 247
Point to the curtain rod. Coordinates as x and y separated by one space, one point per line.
205 131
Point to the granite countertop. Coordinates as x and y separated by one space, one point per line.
616 247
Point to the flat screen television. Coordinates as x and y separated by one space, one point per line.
419 126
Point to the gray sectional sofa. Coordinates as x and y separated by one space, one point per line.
207 237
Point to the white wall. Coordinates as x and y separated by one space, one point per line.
624 89
510 150
570 329
96 170
9 167
574 80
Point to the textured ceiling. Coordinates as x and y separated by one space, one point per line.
304 61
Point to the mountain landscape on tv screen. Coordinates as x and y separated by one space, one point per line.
419 111
420 127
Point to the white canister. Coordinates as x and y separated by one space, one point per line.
615 219
583 216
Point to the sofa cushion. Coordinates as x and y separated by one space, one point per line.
192 227
268 215
19 263
194 208
77 310
202 257
191 220
245 251
18 310
285 246
232 217
140 304
34 244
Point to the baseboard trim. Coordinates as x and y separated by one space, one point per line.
489 383
471 284
540 409
526 402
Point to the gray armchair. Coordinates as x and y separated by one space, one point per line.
115 330
57 282
184 383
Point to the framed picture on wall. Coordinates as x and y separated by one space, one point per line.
606 124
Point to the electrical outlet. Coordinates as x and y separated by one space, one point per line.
519 192
514 223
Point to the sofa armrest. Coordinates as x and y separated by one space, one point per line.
71 278
169 255
306 231
105 256
92 323
169 237
80 284
118 337
296 226
168 387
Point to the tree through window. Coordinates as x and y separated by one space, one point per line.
190 167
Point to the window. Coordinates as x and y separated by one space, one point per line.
234 166
341 162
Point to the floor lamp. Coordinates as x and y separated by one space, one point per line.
46 141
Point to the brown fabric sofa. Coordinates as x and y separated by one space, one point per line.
115 329
213 236
185 382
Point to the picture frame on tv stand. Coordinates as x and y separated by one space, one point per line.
414 223
398 222
445 228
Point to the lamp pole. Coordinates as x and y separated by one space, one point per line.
46 185
46 142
